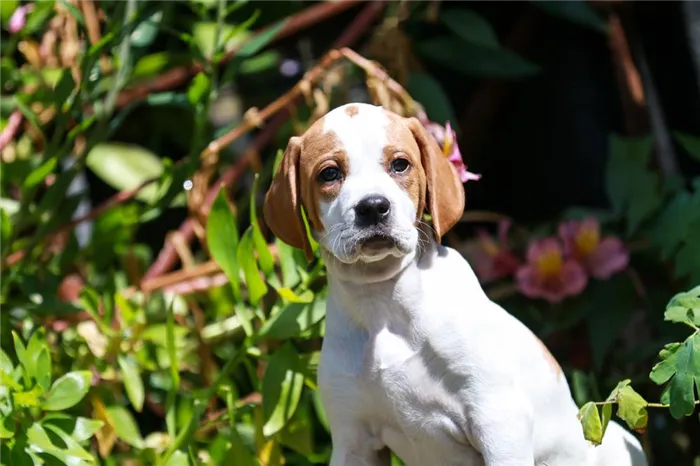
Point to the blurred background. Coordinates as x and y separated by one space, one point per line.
148 315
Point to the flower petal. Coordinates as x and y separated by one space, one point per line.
573 278
608 258
527 281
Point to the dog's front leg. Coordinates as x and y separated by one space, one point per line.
353 446
502 429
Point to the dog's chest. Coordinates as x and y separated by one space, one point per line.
410 410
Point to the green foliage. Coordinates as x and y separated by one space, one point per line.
679 369
29 397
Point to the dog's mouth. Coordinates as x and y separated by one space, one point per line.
377 242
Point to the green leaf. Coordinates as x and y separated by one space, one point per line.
265 259
43 369
5 229
632 188
684 307
428 91
674 223
178 458
7 427
199 88
680 366
606 415
22 357
592 425
39 442
222 239
29 398
470 27
246 258
132 381
294 319
39 358
67 391
281 389
172 349
631 407
125 426
476 61
125 167
7 8
205 37
260 41
576 11
6 365
40 173
288 263
144 34
79 428
72 448
690 143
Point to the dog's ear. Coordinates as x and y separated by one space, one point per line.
445 191
282 208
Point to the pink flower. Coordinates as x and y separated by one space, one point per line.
548 274
601 257
19 18
493 259
447 139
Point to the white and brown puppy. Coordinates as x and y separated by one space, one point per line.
416 357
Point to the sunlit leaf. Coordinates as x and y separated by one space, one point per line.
222 239
261 40
7 8
132 381
246 258
295 318
631 407
265 259
680 367
5 228
281 389
125 426
67 391
592 425
125 167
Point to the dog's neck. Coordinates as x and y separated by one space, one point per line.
363 290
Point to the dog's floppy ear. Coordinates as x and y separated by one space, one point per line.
445 192
282 208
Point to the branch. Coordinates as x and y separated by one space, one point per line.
167 257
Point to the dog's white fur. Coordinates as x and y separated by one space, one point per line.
416 358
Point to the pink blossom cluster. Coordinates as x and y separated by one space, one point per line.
554 267
447 140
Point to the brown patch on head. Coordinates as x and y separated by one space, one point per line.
550 359
402 145
297 183
444 189
352 110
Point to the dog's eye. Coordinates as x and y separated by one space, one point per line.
329 174
399 165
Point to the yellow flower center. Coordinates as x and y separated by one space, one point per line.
447 144
587 240
550 263
490 247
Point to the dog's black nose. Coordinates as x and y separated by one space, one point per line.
372 210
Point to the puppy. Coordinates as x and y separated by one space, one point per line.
416 358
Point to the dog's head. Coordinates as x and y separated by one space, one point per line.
364 177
